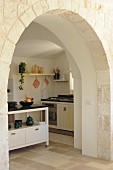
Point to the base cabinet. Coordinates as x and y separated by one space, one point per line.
16 138
27 136
65 117
36 134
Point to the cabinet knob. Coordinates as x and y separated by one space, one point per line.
64 108
12 133
37 129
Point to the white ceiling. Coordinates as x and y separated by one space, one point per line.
30 44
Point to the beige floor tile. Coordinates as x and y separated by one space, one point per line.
52 143
58 150
57 156
23 161
61 138
54 159
40 166
32 155
83 167
64 146
74 154
14 165
80 160
67 165
105 162
100 165
28 168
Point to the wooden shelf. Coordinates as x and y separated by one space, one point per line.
60 80
38 74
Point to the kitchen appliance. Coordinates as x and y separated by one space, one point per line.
53 107
60 98
52 113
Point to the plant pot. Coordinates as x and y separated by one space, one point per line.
56 76
22 67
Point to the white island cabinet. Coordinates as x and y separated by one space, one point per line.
29 135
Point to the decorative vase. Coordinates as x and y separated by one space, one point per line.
29 121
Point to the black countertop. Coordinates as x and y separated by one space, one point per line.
19 107
59 100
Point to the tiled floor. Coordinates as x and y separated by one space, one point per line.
57 156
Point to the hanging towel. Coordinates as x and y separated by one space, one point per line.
45 83
36 83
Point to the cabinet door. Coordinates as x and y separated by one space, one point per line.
43 133
16 138
36 134
65 117
33 134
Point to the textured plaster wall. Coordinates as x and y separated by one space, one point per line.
15 16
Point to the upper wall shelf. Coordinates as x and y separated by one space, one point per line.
37 74
60 80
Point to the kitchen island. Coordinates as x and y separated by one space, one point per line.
29 135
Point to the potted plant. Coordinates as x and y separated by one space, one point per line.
22 69
57 73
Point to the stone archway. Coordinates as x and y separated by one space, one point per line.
20 16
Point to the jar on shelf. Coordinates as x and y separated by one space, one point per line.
35 69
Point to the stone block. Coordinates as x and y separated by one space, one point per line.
41 7
104 139
65 4
103 77
103 109
7 51
104 122
53 4
28 16
4 157
3 130
103 94
16 31
104 153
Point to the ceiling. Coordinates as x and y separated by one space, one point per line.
31 44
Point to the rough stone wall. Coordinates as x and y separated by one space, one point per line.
16 15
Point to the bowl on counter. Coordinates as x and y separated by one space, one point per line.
25 104
12 104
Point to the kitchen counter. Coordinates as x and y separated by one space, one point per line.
21 109
28 135
59 100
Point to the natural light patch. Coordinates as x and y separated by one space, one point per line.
71 83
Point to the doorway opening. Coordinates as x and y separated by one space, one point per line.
54 57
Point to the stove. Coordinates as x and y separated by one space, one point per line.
60 98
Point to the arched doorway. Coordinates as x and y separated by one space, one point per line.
9 44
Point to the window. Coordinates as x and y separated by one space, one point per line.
71 83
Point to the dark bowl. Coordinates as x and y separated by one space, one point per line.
12 104
26 104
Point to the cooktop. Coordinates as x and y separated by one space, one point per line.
60 98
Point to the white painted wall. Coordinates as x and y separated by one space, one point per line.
79 55
62 63
78 49
38 93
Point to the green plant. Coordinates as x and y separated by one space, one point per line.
22 69
21 80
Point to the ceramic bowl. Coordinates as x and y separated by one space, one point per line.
26 104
